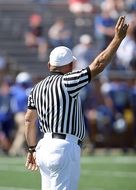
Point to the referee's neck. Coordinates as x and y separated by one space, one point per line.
63 69
56 73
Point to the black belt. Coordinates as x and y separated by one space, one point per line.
63 136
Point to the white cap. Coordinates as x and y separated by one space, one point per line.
23 77
61 56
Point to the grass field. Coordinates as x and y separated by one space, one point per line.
97 173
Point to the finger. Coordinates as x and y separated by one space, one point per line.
27 163
125 27
28 159
36 168
29 166
33 167
120 21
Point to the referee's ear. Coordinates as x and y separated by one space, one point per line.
49 66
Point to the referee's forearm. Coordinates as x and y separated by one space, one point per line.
30 127
104 58
30 135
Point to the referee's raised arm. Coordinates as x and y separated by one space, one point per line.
104 58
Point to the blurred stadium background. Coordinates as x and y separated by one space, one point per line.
109 103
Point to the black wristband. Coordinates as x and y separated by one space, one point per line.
31 149
32 146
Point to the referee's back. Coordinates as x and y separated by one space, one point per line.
57 102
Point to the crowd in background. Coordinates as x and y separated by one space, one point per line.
109 103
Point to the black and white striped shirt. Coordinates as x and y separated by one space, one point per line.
57 102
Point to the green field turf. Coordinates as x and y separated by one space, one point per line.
97 173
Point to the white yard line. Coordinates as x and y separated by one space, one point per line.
109 160
18 188
106 173
84 160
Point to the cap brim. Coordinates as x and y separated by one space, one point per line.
74 58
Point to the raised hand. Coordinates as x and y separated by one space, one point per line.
121 28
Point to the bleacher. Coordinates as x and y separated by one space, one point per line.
14 21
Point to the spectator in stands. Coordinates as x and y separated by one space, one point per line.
60 34
19 93
82 10
80 7
105 113
115 7
34 37
131 5
104 28
94 99
126 54
118 91
104 122
84 51
6 116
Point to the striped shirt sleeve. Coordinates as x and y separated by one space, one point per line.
31 104
75 81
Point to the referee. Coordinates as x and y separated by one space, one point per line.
56 103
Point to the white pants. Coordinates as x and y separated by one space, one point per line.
59 162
